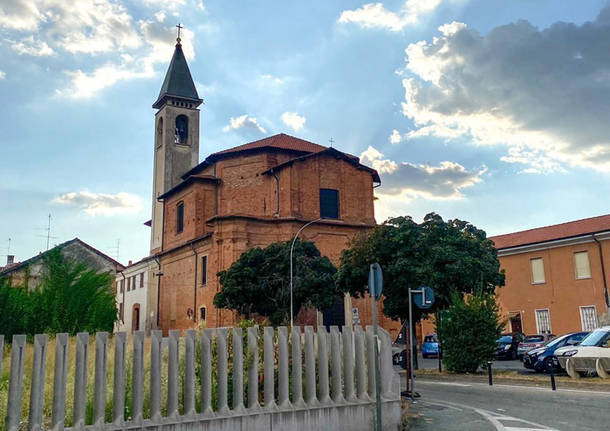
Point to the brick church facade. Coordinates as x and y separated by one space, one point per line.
206 215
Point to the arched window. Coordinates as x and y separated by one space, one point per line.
160 132
182 130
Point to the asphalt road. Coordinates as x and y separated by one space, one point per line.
479 407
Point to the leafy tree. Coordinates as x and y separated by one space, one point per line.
259 282
70 298
452 257
469 331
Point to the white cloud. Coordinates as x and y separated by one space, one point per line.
375 15
101 203
409 180
395 137
540 93
29 46
20 15
244 122
293 120
160 16
2 74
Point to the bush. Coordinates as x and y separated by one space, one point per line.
70 298
469 330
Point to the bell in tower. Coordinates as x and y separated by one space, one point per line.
176 134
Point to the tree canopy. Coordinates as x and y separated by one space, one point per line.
449 256
71 297
259 282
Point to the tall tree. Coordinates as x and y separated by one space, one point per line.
259 281
451 257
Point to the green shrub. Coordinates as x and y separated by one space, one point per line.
469 330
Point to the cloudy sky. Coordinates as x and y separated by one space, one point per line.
492 111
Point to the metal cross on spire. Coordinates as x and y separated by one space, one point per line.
332 141
180 27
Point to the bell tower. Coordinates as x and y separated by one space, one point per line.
176 143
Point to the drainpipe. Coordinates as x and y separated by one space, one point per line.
277 193
195 286
601 259
158 274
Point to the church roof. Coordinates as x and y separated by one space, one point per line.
281 141
178 81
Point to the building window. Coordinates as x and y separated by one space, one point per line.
128 284
122 285
329 203
204 270
121 312
588 318
582 268
180 217
537 270
202 314
543 321
160 132
141 280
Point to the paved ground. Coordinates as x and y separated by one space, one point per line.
432 363
478 407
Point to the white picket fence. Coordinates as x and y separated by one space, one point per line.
334 390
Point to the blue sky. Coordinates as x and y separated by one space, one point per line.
490 111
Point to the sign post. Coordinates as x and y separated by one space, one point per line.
375 289
424 298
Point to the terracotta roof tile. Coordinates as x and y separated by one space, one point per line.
554 232
282 141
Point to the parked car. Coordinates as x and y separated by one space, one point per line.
542 359
532 342
583 358
507 345
431 346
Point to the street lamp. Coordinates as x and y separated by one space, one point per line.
291 249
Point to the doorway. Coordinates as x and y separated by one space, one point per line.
135 318
515 321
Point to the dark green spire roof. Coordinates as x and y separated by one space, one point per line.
178 81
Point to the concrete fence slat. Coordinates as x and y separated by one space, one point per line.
348 363
335 365
269 368
60 379
223 368
118 395
322 338
173 363
206 373
156 357
80 380
283 360
189 373
386 366
310 368
253 368
359 347
15 388
297 368
370 361
238 370
137 377
37 385
101 372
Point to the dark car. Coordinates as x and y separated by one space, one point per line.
533 342
542 359
507 345
431 347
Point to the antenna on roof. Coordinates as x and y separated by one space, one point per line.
116 249
48 236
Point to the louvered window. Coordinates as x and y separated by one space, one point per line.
329 203
537 271
581 265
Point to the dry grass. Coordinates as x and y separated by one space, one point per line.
49 376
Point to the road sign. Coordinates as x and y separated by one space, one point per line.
423 297
355 316
375 280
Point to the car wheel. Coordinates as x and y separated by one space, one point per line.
513 355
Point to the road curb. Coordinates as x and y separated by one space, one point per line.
501 379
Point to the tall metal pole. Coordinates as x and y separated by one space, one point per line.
291 250
411 343
377 371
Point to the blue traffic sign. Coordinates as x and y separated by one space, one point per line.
375 280
424 299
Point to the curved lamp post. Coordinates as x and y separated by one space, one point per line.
291 249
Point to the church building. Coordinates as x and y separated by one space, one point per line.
205 215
